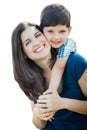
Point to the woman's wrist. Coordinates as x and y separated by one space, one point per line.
37 121
68 103
64 103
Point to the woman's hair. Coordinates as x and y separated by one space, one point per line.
26 72
53 15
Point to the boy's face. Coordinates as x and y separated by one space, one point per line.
57 35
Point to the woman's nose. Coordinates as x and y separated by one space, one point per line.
35 42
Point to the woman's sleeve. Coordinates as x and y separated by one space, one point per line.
78 66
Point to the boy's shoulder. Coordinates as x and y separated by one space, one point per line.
70 42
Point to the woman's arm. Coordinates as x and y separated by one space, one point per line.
55 102
37 121
83 83
77 105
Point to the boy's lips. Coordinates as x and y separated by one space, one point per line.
57 42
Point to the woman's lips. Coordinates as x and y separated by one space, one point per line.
39 49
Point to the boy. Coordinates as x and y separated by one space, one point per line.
55 23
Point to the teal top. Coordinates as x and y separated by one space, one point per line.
65 119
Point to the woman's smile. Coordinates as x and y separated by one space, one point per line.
40 49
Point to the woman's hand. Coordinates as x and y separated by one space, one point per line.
37 118
49 103
40 110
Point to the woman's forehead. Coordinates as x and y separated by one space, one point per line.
31 29
29 32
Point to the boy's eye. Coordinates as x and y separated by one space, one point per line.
62 31
50 31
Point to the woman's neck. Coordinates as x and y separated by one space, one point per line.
44 63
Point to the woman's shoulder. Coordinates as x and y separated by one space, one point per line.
77 58
76 64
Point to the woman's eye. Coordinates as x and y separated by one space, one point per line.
38 35
27 43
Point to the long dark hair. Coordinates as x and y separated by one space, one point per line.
26 72
53 15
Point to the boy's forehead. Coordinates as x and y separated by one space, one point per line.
56 26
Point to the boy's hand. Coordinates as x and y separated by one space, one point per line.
49 91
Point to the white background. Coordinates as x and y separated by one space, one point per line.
15 110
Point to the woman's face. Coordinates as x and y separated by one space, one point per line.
35 44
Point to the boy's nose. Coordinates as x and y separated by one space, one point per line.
56 36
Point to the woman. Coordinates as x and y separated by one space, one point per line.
32 62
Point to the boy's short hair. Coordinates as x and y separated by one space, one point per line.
53 15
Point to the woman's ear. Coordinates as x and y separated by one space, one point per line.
25 56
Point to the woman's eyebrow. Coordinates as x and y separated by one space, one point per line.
26 40
36 33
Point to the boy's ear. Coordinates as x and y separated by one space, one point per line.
70 28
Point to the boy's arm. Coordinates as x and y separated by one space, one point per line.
58 68
57 72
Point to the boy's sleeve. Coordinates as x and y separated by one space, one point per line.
68 47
